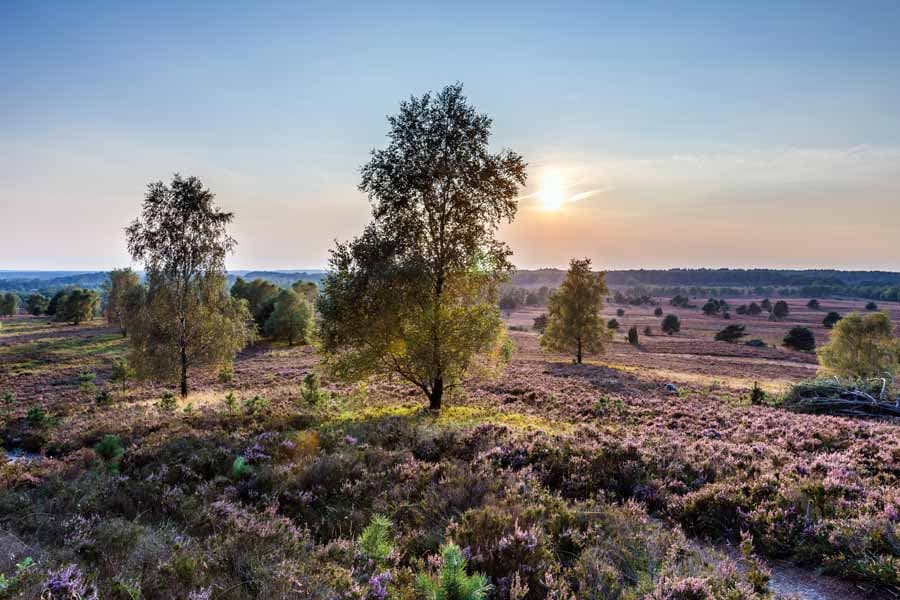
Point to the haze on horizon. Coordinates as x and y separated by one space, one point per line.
703 135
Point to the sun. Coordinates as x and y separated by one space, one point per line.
553 192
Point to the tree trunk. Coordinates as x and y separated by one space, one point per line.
437 393
578 354
184 385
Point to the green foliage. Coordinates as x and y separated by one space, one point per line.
671 324
813 304
416 294
86 383
658 311
620 312
800 338
754 309
861 346
9 397
540 323
36 417
633 335
122 371
757 395
291 318
307 290
9 304
185 317
110 451
255 404
226 374
118 285
103 398
310 391
830 319
871 306
240 468
452 583
77 306
731 333
36 304
574 323
231 403
260 295
648 331
9 585
167 402
612 324
374 542
780 309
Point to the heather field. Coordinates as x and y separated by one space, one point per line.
556 480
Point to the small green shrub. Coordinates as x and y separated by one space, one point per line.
612 324
231 403
36 417
122 371
167 402
110 451
240 468
255 404
310 391
103 398
86 383
374 542
226 374
452 583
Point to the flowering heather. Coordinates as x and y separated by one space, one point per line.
553 480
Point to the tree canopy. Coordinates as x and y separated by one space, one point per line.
574 322
291 318
186 318
861 346
116 287
416 293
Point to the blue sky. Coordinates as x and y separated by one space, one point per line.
692 134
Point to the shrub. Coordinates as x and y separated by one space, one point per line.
731 333
255 404
374 542
36 417
633 335
780 309
757 395
658 311
452 583
871 306
240 468
754 309
830 319
741 310
167 402
766 304
612 324
648 331
800 338
121 372
103 398
226 374
310 391
813 304
231 403
110 451
86 383
861 346
620 312
671 324
540 323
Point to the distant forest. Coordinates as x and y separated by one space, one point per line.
880 285
35 281
822 283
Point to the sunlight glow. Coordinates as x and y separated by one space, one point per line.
553 192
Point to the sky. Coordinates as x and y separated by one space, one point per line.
658 134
